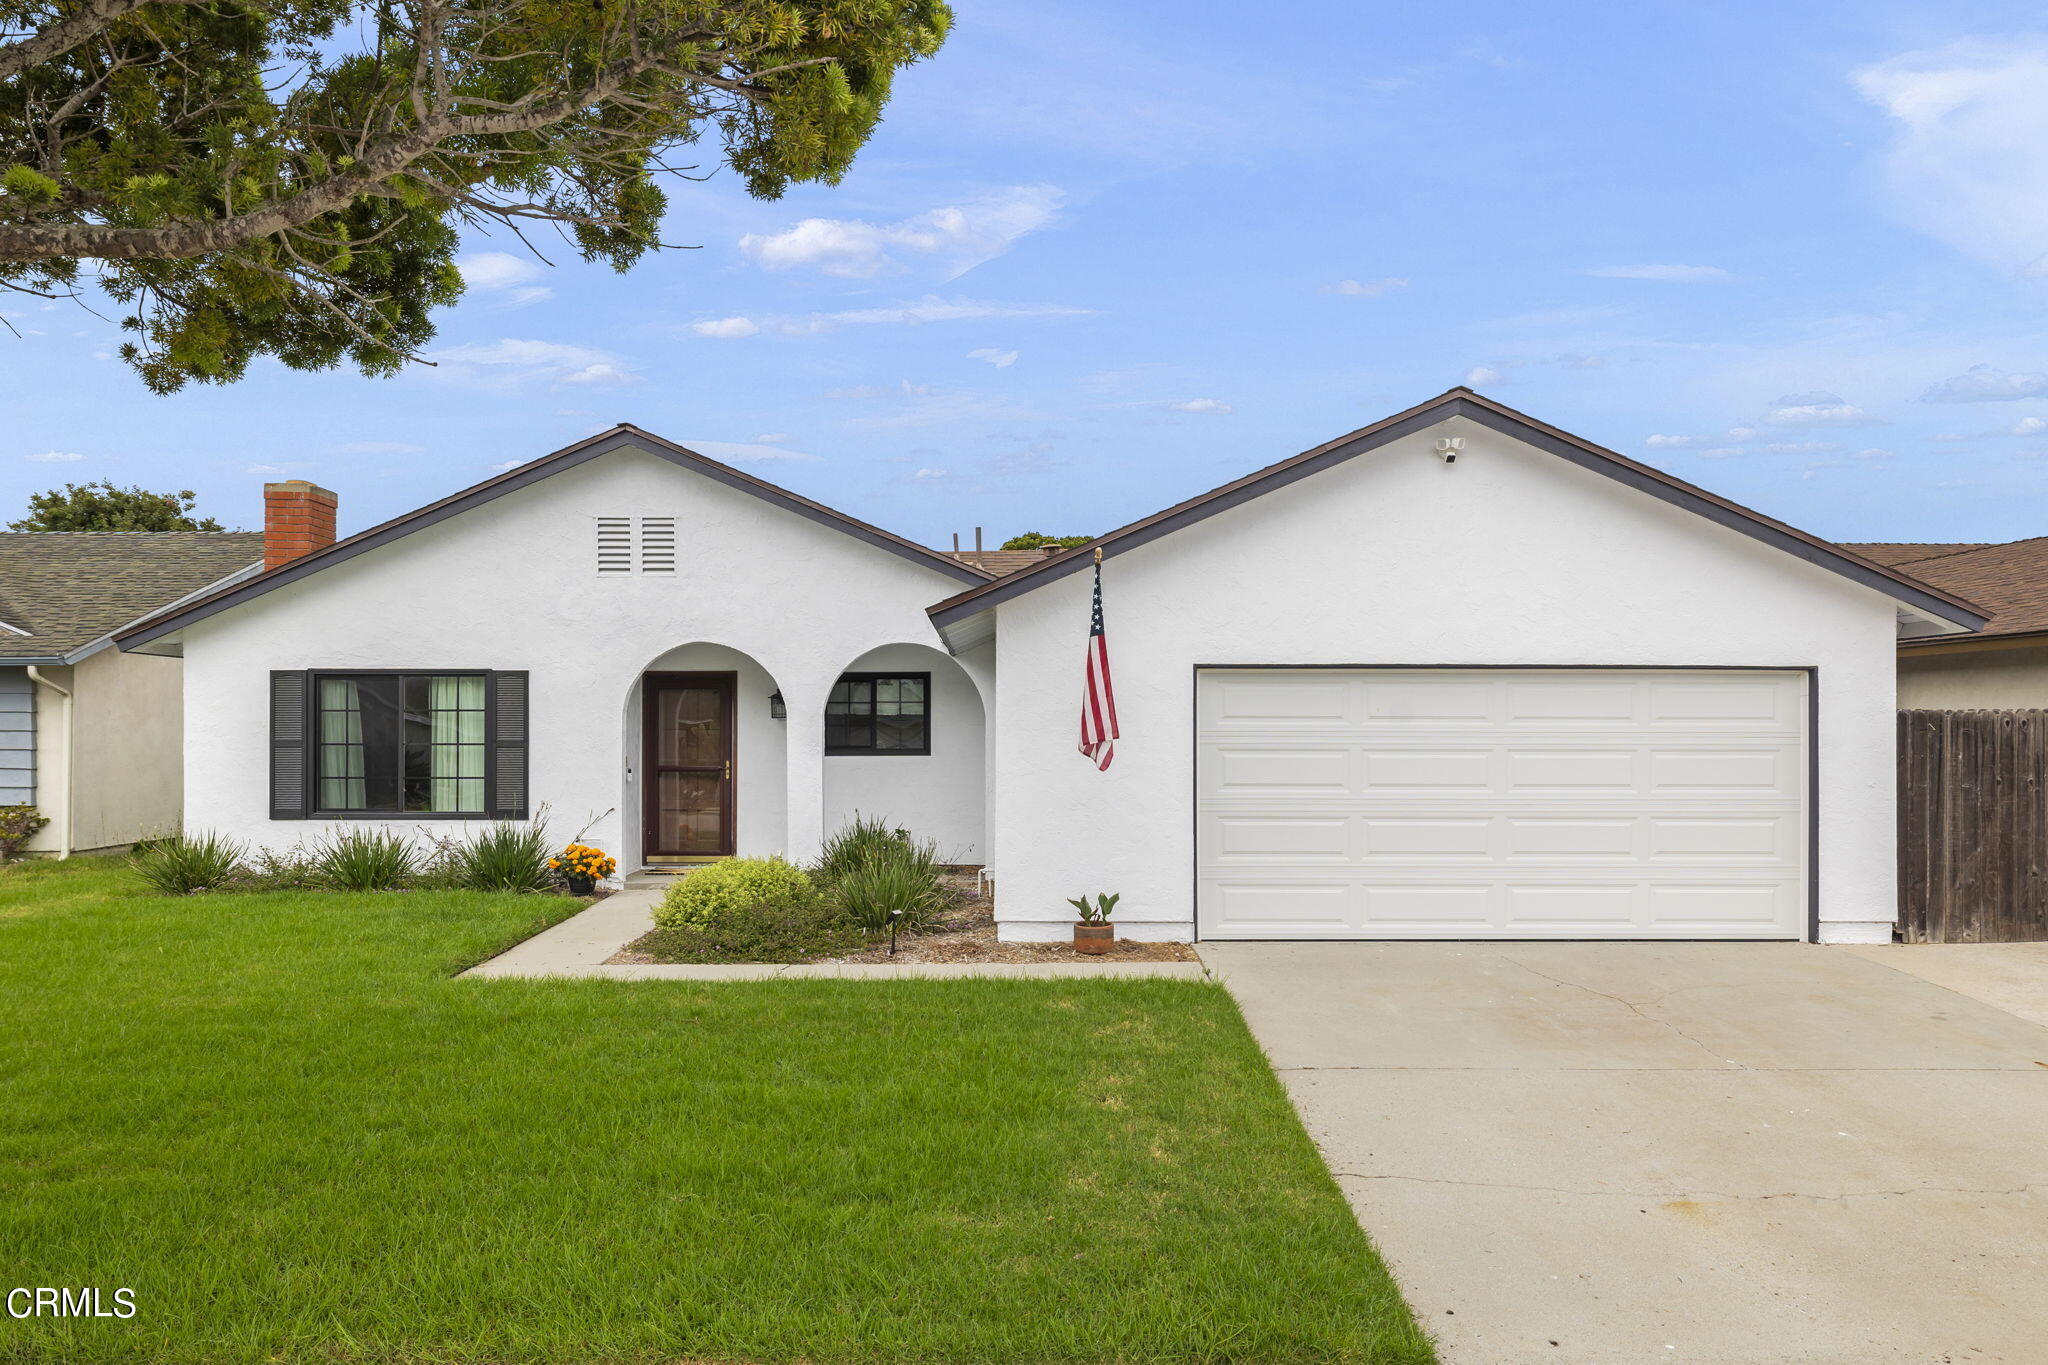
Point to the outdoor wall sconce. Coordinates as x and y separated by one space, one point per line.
776 710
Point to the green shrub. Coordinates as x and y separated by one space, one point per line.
785 926
182 864
507 856
712 892
854 843
365 860
18 825
900 883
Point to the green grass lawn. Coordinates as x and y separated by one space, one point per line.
278 1120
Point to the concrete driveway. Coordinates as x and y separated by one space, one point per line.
1586 1153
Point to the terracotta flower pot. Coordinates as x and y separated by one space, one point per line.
1094 939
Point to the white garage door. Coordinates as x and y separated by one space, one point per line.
1500 803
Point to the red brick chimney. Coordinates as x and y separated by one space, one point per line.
298 518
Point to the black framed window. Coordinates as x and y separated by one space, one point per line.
879 713
400 743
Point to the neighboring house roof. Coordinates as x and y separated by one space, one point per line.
1000 562
1893 553
65 590
1463 402
2008 580
614 438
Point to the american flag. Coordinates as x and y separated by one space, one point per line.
1098 702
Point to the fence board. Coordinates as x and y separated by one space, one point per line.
1973 832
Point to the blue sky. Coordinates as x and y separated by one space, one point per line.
1099 258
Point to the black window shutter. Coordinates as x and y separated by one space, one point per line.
289 763
508 746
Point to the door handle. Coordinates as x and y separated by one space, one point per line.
728 770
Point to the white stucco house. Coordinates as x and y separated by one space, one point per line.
1457 674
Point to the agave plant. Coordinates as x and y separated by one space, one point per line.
1096 912
183 863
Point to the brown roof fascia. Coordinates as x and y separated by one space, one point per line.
1463 402
568 457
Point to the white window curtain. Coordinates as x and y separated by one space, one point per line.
341 745
455 707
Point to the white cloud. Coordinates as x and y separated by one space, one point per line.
1987 384
1873 453
502 466
1214 407
927 405
1965 163
500 272
266 471
1366 289
1741 433
931 475
1480 374
746 452
1002 360
378 448
55 456
512 362
1678 274
1721 452
773 438
956 238
2029 426
1817 409
930 308
1662 442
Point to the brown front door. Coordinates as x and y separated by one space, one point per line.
688 775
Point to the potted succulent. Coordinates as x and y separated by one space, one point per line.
1093 933
582 867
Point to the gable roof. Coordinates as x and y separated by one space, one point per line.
624 435
63 590
1463 402
2009 580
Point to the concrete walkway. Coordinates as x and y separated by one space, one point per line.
1729 1154
579 945
2012 976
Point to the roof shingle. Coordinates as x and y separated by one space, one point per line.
68 588
2009 580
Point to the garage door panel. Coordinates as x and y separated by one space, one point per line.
1298 700
1415 701
1573 703
1469 837
1455 910
1572 837
1429 770
1724 701
1284 910
1290 837
1283 770
1575 907
1578 770
1714 771
1502 803
1721 837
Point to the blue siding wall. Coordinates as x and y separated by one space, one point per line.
17 737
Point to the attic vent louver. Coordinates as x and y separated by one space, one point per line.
657 545
615 545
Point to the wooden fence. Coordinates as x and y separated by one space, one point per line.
1973 829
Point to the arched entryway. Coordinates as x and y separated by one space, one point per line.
706 771
906 742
